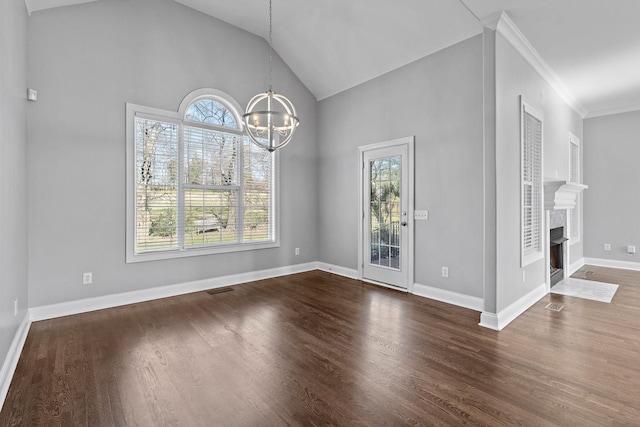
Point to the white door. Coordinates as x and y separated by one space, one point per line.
387 214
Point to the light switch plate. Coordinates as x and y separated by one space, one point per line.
421 215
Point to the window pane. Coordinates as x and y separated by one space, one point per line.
211 112
258 206
156 185
210 158
385 211
210 217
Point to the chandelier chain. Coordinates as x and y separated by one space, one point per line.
270 119
270 46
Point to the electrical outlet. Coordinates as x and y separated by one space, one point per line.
15 307
87 278
445 271
607 247
631 250
524 276
297 251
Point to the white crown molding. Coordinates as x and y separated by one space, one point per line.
11 360
454 298
35 5
504 26
27 5
500 320
491 21
612 263
612 111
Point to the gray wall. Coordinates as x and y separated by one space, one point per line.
88 60
13 168
439 100
611 204
515 77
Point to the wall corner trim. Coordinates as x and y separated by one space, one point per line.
514 36
11 361
500 320
449 297
576 266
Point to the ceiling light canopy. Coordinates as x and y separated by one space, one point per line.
270 119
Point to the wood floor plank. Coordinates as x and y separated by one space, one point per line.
320 349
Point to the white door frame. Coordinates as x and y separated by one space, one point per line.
409 142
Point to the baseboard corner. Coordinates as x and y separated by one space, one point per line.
500 320
11 360
339 270
449 297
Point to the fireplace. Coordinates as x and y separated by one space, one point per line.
556 254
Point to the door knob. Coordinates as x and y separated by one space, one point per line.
403 223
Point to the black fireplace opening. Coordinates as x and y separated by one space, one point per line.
556 254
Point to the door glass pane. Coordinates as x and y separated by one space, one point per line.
385 212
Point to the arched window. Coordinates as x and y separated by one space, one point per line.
200 186
210 111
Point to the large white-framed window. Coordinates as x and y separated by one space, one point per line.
574 176
195 184
532 208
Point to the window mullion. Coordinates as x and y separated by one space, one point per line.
240 195
180 216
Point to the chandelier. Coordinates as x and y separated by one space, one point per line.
270 119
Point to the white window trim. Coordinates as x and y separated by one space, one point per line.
132 111
526 107
577 210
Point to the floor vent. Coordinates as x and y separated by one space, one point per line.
554 306
219 290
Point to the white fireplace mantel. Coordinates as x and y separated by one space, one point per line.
561 194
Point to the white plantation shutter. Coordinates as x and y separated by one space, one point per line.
574 171
574 176
531 179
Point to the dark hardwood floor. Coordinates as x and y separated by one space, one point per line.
318 349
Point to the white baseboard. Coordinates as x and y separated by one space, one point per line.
425 291
506 316
11 361
454 298
576 266
115 300
612 263
336 269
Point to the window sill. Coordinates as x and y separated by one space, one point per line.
184 253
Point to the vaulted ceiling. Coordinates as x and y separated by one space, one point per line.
593 46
